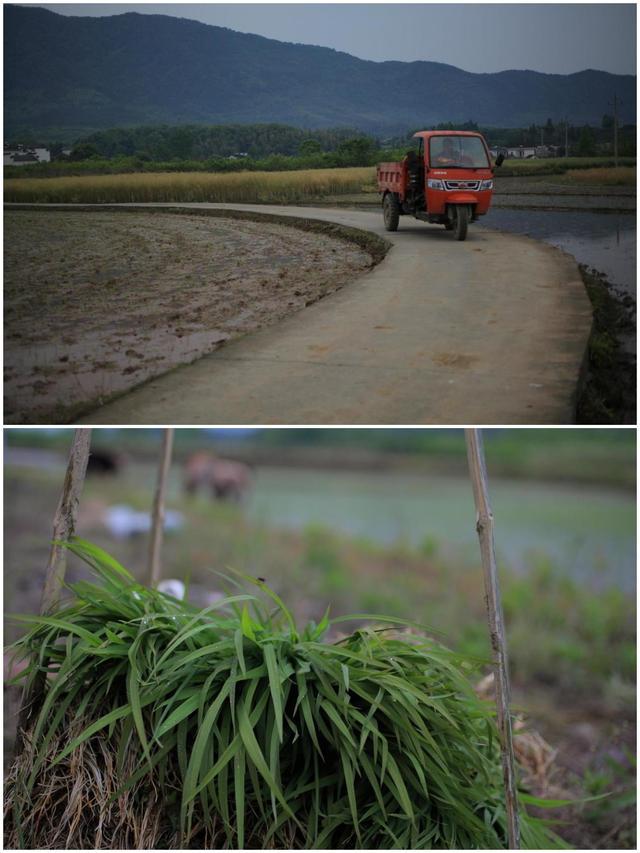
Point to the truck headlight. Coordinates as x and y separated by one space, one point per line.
486 185
435 184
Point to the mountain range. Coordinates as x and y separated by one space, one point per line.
66 76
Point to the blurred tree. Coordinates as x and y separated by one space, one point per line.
308 147
587 142
55 151
549 132
84 151
358 151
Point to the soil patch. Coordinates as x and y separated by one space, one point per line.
99 301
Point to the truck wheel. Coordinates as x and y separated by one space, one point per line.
461 222
391 212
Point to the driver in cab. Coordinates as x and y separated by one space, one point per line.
448 155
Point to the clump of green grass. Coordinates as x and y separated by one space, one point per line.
165 726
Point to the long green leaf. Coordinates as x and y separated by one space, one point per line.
274 685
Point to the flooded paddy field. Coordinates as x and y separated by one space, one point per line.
605 242
586 531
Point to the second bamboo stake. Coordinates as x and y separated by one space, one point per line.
484 526
157 516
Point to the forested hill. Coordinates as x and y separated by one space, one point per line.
70 75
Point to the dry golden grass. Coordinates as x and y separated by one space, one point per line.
249 187
623 176
559 165
75 807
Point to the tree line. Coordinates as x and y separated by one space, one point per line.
258 141
275 147
206 142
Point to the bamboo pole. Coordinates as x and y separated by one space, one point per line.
157 516
64 525
484 527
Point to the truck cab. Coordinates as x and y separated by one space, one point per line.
446 179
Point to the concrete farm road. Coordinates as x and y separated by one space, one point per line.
493 330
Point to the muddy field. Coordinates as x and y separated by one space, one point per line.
96 303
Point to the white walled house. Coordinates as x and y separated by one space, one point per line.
22 156
522 152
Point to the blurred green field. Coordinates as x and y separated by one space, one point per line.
603 456
561 631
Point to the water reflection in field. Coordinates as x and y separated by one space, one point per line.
603 241
587 532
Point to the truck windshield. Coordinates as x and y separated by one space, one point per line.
465 152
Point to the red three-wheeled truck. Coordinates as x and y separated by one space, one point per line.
447 179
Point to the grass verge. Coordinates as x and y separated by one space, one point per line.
608 394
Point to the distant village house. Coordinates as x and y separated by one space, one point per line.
525 152
20 155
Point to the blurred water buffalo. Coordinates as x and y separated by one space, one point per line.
105 462
225 479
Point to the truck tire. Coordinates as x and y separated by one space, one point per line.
461 222
391 212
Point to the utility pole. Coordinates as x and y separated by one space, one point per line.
566 136
615 129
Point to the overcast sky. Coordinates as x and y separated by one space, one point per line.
553 38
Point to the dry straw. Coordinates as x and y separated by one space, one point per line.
257 187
